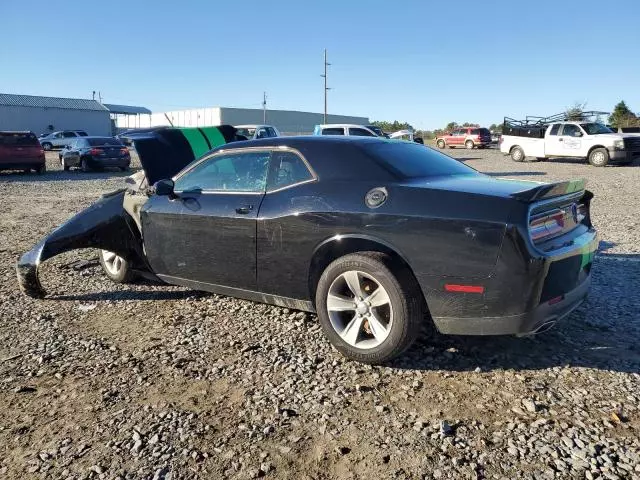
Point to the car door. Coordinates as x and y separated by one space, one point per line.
553 142
206 233
569 140
454 138
70 153
57 140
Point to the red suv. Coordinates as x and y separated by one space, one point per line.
21 151
468 137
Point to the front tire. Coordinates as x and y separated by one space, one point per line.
441 144
47 146
599 157
116 267
469 144
369 309
517 154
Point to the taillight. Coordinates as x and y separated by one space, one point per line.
547 225
95 151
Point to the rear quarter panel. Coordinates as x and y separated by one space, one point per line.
439 233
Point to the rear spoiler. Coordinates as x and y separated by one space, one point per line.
550 190
164 151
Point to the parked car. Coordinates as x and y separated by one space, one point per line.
406 135
343 129
495 138
252 132
371 234
60 139
21 151
592 141
95 153
468 137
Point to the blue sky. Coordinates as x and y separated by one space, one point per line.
428 65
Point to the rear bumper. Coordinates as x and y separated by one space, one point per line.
96 162
22 163
545 315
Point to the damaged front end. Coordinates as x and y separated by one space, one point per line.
105 225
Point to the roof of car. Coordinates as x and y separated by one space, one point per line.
341 125
252 126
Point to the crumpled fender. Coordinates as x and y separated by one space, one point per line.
105 225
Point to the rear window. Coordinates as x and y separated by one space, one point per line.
480 131
98 142
9 138
411 160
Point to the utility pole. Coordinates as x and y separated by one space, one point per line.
264 107
94 95
326 89
100 97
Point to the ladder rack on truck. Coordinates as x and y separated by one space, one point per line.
534 127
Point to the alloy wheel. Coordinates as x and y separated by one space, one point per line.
359 309
112 262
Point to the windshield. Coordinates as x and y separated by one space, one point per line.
98 142
377 130
412 160
246 132
595 128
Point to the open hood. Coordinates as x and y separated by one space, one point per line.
164 151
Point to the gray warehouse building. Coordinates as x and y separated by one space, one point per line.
289 122
47 114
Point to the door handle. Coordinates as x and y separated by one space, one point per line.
244 209
559 139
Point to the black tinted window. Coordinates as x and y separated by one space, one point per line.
69 134
287 168
360 132
333 131
570 129
411 160
81 133
239 172
97 142
554 129
7 138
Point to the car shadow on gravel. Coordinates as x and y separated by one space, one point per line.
60 175
602 334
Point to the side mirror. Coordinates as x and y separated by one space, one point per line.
165 188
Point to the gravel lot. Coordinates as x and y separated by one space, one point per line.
149 381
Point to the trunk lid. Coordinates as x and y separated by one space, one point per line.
164 151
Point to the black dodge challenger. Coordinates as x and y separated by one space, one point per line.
377 236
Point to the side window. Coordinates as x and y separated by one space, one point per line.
287 168
262 133
554 129
69 134
234 172
360 132
58 135
333 131
271 132
570 130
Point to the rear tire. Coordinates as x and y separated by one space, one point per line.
41 169
469 144
517 154
362 324
599 157
47 146
84 165
116 267
441 144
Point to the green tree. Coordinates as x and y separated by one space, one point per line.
622 116
451 126
575 111
392 126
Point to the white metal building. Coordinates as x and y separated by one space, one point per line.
47 114
287 121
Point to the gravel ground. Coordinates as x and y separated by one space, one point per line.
149 381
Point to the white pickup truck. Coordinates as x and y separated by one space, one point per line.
577 139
